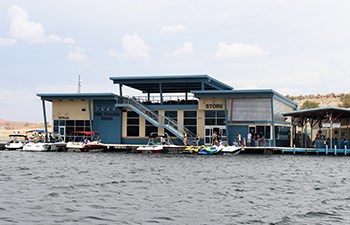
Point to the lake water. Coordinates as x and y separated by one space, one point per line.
118 188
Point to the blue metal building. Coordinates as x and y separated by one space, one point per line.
194 104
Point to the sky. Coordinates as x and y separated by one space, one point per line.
291 46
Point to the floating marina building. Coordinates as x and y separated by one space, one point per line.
176 104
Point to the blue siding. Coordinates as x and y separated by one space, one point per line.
108 121
233 131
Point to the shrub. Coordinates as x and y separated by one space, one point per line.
310 104
345 101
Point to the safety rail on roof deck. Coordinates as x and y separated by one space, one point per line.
156 119
167 100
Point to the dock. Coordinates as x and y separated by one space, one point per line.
131 148
295 151
2 145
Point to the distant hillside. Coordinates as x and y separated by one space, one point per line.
9 127
324 100
7 123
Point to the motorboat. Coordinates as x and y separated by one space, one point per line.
191 149
231 150
209 150
85 141
158 142
16 142
38 143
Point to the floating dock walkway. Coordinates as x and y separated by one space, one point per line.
294 151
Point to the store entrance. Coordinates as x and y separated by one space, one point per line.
209 131
62 132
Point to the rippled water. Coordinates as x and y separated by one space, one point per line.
112 188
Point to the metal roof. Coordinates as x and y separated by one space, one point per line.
77 96
320 113
171 83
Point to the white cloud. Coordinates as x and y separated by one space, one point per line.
22 28
133 47
111 52
76 55
58 39
185 50
7 41
239 50
173 29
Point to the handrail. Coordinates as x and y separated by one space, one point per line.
166 121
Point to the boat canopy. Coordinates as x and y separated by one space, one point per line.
37 131
158 134
17 135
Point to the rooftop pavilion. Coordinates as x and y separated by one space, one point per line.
169 84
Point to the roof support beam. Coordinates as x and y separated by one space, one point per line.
90 115
272 132
161 93
121 89
45 120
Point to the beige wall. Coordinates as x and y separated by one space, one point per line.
71 110
200 122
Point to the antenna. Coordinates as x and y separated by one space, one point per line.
79 84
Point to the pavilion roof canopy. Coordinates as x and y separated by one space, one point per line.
320 113
171 83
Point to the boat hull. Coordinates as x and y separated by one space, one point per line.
44 147
209 150
14 146
149 149
231 150
81 147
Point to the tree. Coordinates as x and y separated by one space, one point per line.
345 101
308 104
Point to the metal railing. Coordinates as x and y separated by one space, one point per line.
156 119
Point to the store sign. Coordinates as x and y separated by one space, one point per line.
63 117
214 106
107 115
211 104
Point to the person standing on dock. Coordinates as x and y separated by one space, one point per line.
198 138
239 139
215 138
263 141
257 140
249 139
185 138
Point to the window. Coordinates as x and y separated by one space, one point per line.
71 125
173 116
133 124
149 128
263 131
190 121
215 118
